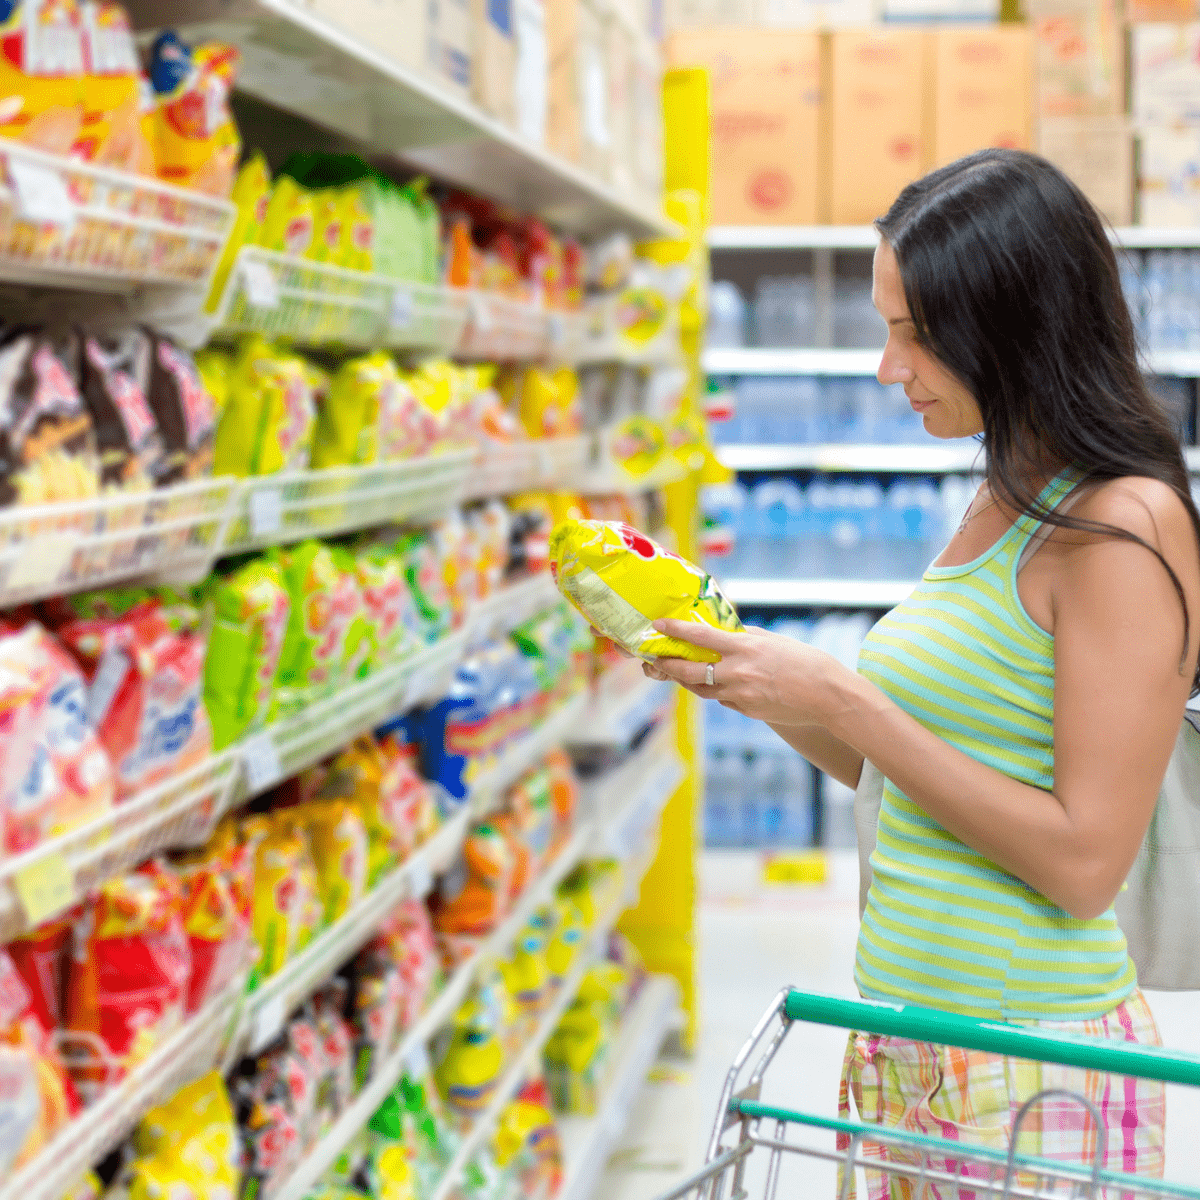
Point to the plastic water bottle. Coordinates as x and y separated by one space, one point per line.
783 311
778 512
726 315
797 803
722 800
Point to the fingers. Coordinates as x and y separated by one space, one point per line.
697 633
682 670
652 672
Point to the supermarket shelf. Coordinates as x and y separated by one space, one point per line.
548 463
306 65
275 509
198 1045
623 703
588 1141
608 478
750 360
864 237
268 1007
513 605
68 224
753 361
818 593
931 459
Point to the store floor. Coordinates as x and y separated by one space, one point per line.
754 938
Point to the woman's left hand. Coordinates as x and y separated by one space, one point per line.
764 675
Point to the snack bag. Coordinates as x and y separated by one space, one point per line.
40 959
217 915
111 132
470 1065
405 429
251 194
527 1144
427 585
267 423
55 774
375 1005
474 894
347 424
621 581
289 219
388 605
406 797
248 613
128 977
185 412
278 892
41 101
145 679
196 142
48 450
337 836
113 372
214 367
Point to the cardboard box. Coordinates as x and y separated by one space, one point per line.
1165 74
531 83
1137 11
563 118
1095 153
880 113
765 100
395 28
494 51
1169 176
982 90
448 44
1079 58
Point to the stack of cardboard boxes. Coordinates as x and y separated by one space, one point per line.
812 128
827 127
580 77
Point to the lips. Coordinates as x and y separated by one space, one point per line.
921 405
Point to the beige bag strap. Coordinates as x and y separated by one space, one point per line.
868 797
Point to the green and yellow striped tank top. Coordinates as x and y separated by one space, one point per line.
944 926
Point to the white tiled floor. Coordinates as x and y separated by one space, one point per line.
755 938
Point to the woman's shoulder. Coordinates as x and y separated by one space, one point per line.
1144 506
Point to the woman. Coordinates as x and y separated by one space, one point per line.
1024 701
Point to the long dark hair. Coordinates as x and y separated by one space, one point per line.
1013 284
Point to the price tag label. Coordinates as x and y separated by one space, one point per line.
262 288
402 309
268 1022
45 887
556 329
266 512
42 561
421 875
42 194
416 1062
261 756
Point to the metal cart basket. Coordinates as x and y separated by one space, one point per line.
930 1168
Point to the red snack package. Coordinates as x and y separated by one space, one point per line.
408 937
146 677
40 958
128 978
54 774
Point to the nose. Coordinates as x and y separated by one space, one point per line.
894 366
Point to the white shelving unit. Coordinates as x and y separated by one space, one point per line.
818 593
305 64
623 702
931 459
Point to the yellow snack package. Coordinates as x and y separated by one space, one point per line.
277 892
251 193
200 1109
196 143
215 368
41 72
328 243
337 835
289 219
111 131
621 581
347 432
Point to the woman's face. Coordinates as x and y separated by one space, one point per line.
946 406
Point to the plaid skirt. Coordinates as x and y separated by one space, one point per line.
972 1097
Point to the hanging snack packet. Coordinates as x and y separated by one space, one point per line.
267 423
248 612
251 194
41 102
113 370
111 132
621 581
48 451
196 142
127 985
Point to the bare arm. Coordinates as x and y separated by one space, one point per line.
826 752
1119 694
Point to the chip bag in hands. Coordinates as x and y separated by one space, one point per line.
621 581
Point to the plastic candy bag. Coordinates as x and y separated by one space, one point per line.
621 581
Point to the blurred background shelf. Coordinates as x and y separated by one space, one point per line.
818 593
864 237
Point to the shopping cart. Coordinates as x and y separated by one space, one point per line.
917 1166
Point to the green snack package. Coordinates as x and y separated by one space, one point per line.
427 584
358 656
324 602
249 618
391 613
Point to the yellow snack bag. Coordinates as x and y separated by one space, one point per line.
251 193
329 214
358 229
41 72
196 142
215 367
348 422
278 899
290 219
621 581
340 847
111 132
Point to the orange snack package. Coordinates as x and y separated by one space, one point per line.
128 976
41 70
111 134
473 895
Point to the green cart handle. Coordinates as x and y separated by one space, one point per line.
996 1037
